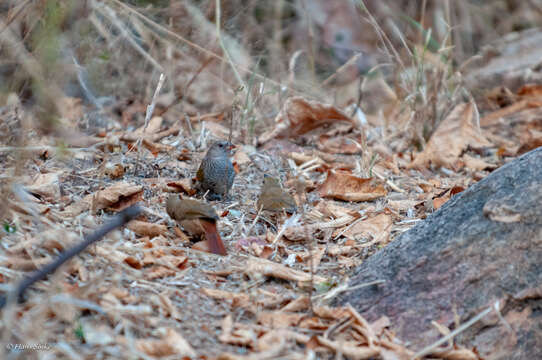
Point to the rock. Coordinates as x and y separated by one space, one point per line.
482 246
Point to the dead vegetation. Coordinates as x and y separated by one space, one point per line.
368 145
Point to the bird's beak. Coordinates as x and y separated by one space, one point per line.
231 147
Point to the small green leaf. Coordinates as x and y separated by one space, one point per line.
10 229
79 333
324 286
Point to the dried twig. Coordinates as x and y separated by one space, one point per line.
122 218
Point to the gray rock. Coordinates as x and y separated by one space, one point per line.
482 246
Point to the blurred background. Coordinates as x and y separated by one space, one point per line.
88 66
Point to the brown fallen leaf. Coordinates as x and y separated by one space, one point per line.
269 268
299 116
154 125
237 299
342 185
218 130
143 228
443 197
455 354
155 148
171 343
299 304
236 334
158 272
274 340
451 139
47 186
241 156
114 170
115 197
332 210
531 140
133 262
279 319
377 227
306 232
477 163
532 91
349 349
338 144
494 117
182 185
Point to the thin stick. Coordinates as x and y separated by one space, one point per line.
255 220
148 114
430 348
122 218
221 42
350 61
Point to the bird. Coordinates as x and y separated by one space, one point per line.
198 218
216 172
274 198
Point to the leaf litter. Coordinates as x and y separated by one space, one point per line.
147 291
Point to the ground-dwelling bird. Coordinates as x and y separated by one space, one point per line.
197 218
216 172
274 198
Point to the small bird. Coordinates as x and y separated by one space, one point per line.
198 218
216 172
274 198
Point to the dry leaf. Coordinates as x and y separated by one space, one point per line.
299 116
451 139
530 141
377 227
114 170
332 210
237 299
299 304
279 319
235 334
47 186
476 163
342 185
269 268
241 156
379 325
455 354
349 349
218 130
172 343
338 144
275 339
531 91
153 126
182 185
445 196
495 116
133 262
155 147
116 197
143 228
157 272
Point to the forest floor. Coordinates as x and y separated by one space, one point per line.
144 292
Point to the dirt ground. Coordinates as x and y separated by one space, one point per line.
367 152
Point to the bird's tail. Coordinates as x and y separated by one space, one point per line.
213 238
